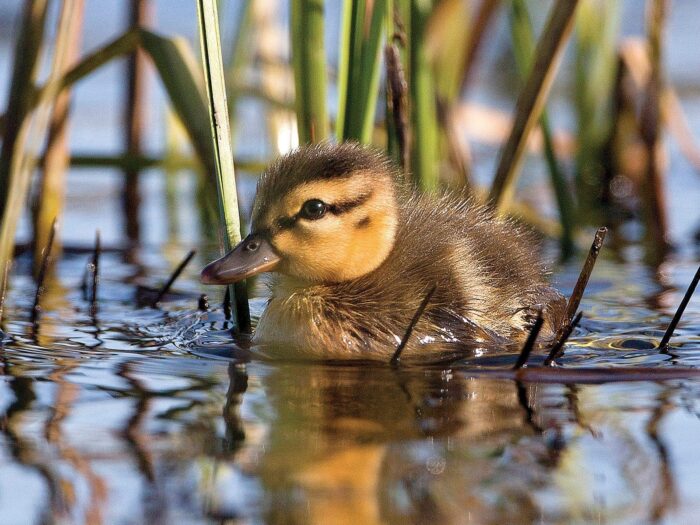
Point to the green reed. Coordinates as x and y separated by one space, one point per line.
532 98
358 69
221 137
523 49
309 64
595 69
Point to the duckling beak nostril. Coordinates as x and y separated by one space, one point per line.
251 256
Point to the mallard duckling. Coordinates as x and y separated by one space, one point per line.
355 250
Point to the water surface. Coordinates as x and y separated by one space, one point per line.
133 415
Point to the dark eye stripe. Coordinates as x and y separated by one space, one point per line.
285 223
339 208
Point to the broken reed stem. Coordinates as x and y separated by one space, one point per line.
416 317
134 110
397 105
577 294
532 98
679 313
173 278
97 252
556 351
43 270
530 342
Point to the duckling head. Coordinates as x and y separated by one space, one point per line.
324 214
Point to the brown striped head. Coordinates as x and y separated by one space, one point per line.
323 213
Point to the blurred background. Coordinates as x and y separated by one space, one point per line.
481 114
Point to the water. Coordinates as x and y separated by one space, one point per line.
142 415
139 415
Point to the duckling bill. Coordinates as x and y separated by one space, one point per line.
354 250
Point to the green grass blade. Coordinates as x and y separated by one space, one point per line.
309 63
359 72
530 104
595 70
221 135
425 128
345 53
523 42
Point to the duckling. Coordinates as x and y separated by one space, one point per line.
354 251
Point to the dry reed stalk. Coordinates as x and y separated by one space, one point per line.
529 342
556 351
95 267
43 271
3 292
584 276
24 71
173 277
478 29
31 132
679 312
653 192
276 77
532 98
397 106
134 112
409 330
458 157
56 160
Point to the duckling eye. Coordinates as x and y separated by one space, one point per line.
313 209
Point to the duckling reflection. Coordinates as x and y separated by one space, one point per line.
354 251
372 445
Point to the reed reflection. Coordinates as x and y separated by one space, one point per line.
374 445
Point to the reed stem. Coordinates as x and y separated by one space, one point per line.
309 62
56 160
18 160
524 49
679 312
424 121
173 277
531 100
358 76
409 330
653 188
221 134
529 342
134 112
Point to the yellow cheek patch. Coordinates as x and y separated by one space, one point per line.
341 246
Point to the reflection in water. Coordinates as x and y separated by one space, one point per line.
107 422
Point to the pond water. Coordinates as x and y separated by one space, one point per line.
128 414
131 415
